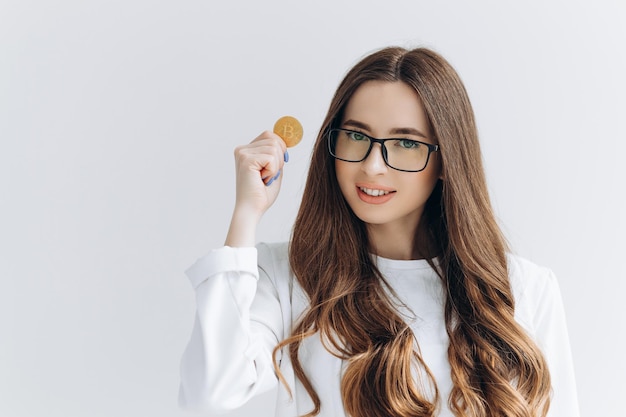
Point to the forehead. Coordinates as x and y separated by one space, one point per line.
385 106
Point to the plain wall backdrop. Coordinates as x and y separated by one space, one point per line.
118 121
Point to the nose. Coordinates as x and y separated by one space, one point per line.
374 164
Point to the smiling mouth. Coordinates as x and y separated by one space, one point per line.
374 192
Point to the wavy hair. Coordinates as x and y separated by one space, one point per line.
496 368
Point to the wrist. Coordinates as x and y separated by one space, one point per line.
242 230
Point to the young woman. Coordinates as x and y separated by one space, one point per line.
396 295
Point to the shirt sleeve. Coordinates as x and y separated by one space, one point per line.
228 357
552 337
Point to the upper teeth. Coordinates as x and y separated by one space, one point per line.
374 193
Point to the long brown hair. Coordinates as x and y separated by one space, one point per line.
496 368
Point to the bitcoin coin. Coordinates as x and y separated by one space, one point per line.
289 129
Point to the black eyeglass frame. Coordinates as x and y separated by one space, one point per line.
431 148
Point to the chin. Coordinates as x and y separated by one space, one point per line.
371 218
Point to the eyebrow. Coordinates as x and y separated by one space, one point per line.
394 131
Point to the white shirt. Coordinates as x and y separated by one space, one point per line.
247 300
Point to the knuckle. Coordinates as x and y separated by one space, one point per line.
238 151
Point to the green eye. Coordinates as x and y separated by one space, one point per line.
357 136
408 144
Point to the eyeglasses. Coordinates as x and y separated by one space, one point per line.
398 153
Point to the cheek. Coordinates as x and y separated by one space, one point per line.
422 185
345 173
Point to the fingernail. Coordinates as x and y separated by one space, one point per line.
273 178
286 156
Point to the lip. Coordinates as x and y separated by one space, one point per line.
370 199
373 186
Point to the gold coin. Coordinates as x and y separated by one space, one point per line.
289 129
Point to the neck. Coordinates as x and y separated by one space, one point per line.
400 242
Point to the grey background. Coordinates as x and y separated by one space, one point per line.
117 124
